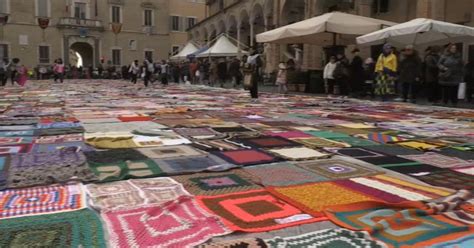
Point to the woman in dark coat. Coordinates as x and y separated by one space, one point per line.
357 72
451 74
410 73
431 73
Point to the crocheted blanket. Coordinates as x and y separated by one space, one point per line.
41 200
35 169
283 174
179 223
134 193
255 211
411 224
81 228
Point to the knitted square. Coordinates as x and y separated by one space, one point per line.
438 160
217 183
179 223
449 179
8 141
283 174
316 142
338 168
254 211
357 153
267 142
134 193
298 153
184 165
81 228
14 149
41 200
313 198
170 152
290 134
246 157
107 172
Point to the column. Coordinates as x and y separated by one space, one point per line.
66 50
252 34
238 36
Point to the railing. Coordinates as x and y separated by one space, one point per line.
71 22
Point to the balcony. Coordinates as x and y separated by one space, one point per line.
71 22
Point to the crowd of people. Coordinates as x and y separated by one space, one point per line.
441 76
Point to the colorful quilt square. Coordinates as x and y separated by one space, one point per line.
313 198
81 228
179 223
338 168
217 183
120 170
41 200
176 166
290 134
254 211
247 157
320 143
356 153
437 160
283 174
353 141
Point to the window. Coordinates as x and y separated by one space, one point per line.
175 23
149 55
175 50
42 8
116 56
148 15
116 17
44 54
4 51
4 7
381 6
191 22
80 10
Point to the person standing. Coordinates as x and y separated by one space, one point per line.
254 64
58 69
369 77
193 68
431 73
213 72
357 72
386 70
282 80
328 75
134 71
469 79
451 74
410 73
164 72
222 72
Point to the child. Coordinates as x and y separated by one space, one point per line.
329 75
22 75
282 79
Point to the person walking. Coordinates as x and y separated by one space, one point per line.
469 79
213 72
342 74
3 71
328 75
164 72
386 70
431 72
282 79
149 68
369 77
253 66
202 71
410 72
22 75
234 72
193 68
13 70
134 70
356 72
58 70
451 74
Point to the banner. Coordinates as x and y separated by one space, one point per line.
43 22
116 28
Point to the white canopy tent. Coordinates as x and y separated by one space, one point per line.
335 28
189 49
419 32
223 47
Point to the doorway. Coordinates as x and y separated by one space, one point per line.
82 54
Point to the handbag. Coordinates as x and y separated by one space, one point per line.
462 91
248 81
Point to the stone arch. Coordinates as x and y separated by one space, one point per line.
232 25
221 27
292 11
212 29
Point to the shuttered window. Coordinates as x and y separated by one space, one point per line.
148 15
116 14
175 23
3 6
42 8
44 55
4 52
116 57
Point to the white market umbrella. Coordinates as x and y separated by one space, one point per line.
223 47
335 28
419 31
190 48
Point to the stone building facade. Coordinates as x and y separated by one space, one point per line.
243 19
114 31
